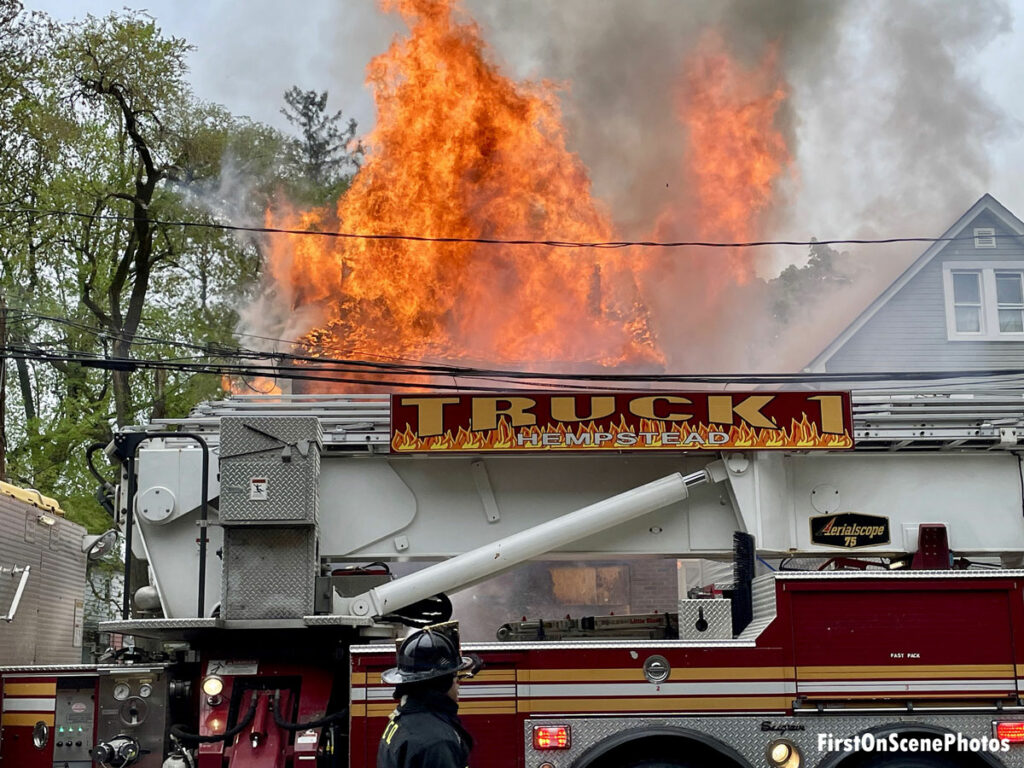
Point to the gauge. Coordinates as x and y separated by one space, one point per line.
133 711
122 691
145 690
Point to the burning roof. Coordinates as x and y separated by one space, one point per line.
462 150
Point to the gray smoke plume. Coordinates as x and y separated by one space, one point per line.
622 65
886 120
885 115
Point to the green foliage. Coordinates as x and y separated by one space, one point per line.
796 287
97 117
326 152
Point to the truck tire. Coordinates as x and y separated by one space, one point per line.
668 762
909 761
669 749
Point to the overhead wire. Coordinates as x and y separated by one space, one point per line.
412 237
329 369
346 365
305 374
561 381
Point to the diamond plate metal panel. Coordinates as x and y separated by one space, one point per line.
269 469
35 669
705 619
269 573
140 626
751 735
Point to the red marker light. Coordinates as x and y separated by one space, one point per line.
1012 732
550 737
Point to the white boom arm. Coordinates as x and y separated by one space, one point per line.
492 559
920 458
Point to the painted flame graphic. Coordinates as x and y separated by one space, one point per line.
801 435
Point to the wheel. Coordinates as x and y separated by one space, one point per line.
908 761
662 752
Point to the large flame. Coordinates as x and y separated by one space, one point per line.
735 153
460 150
735 156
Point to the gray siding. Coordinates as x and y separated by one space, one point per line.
42 630
909 332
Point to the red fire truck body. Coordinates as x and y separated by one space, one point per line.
260 646
839 653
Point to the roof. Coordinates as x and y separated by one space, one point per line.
31 496
986 203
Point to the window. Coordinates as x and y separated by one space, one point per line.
984 301
984 237
581 585
967 301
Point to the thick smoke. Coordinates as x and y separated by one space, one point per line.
885 119
888 121
623 64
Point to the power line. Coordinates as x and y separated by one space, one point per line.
214 349
369 378
323 362
304 374
323 368
610 244
239 353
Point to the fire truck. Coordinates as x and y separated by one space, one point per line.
874 616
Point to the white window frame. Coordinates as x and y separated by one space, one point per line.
989 304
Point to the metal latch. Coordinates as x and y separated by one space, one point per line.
9 616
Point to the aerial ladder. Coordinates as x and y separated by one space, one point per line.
257 516
920 458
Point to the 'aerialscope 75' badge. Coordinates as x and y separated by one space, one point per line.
850 530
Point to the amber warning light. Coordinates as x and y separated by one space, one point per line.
1011 732
551 737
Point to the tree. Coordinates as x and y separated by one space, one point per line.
326 154
799 286
128 72
101 123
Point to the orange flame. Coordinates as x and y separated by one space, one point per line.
735 159
250 385
460 150
736 154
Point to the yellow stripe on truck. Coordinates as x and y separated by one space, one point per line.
26 718
906 672
673 704
636 674
30 689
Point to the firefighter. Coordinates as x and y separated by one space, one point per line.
424 731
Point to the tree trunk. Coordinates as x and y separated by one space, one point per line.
25 384
159 395
122 385
3 390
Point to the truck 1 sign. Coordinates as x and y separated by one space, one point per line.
637 421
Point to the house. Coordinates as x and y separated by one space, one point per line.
959 307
